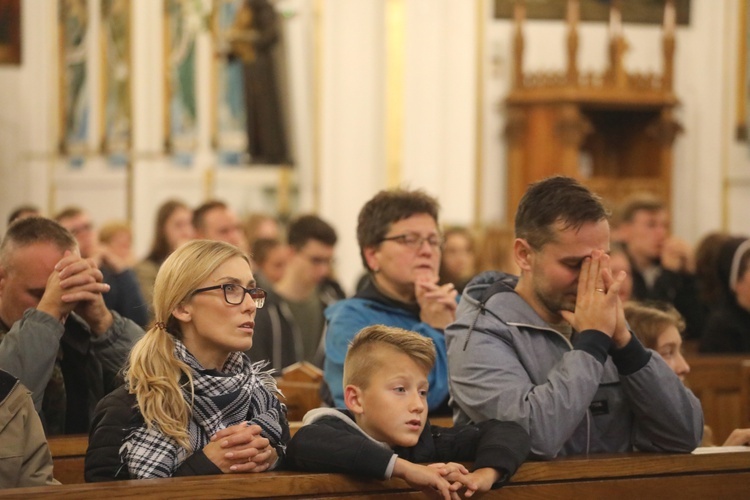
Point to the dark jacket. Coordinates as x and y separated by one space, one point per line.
116 415
330 441
678 289
66 367
727 329
278 338
125 295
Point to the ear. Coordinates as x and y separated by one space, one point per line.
371 257
3 277
353 399
183 312
523 254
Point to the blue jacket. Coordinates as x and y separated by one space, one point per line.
347 317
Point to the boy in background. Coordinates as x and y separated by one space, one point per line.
659 326
384 432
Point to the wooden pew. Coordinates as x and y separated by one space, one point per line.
745 394
614 477
300 385
69 452
716 380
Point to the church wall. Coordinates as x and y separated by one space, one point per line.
339 63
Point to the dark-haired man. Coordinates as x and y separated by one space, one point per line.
663 266
551 349
290 325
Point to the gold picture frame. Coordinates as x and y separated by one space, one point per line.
115 110
10 32
633 11
182 21
75 96
743 79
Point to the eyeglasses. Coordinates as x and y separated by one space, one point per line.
234 294
414 241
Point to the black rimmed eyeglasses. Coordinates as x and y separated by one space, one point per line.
234 294
415 241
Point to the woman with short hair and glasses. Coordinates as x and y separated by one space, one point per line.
400 245
192 402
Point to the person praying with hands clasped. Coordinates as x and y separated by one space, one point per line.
193 403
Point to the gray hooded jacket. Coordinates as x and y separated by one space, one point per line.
574 398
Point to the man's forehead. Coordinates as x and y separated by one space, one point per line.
72 219
313 246
220 213
562 229
576 240
39 250
650 213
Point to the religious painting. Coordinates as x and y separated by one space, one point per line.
75 97
248 95
229 126
116 120
10 31
633 11
182 23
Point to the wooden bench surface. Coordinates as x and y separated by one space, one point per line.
722 383
725 475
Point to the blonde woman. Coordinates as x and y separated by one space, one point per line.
192 402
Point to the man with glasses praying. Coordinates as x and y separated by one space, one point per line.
400 245
57 336
290 327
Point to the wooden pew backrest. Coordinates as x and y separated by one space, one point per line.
716 381
68 453
300 385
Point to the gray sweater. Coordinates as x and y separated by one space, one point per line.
575 397
29 350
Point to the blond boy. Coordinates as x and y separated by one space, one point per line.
384 432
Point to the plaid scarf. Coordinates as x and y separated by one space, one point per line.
240 392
